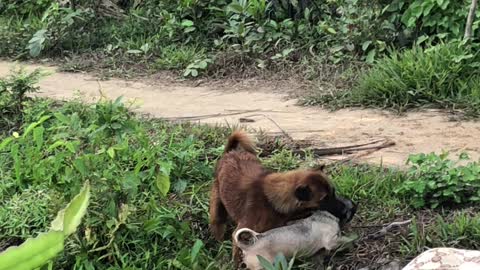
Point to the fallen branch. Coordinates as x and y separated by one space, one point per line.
206 116
317 152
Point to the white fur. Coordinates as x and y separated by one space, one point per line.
301 238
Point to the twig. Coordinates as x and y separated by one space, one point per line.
387 228
351 158
348 149
205 116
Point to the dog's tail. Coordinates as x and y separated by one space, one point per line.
240 139
245 238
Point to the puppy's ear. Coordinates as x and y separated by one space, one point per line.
303 193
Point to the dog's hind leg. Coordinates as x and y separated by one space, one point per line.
218 214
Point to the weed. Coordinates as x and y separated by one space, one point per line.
434 180
458 229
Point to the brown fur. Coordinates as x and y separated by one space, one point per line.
254 198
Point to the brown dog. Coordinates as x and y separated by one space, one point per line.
255 198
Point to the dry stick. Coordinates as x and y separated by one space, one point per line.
333 150
352 158
387 228
276 124
348 149
205 116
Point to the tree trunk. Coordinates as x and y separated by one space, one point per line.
470 19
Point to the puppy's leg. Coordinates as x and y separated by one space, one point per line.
218 214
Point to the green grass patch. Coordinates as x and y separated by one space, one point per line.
444 76
150 183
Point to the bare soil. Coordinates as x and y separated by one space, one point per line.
268 106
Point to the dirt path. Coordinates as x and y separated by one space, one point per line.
414 133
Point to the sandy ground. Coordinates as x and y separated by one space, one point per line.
414 133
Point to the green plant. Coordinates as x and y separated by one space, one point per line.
279 263
443 19
36 252
56 23
13 95
24 7
197 66
458 230
434 180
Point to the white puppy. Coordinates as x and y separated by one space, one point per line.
304 237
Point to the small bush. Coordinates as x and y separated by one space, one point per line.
434 180
13 95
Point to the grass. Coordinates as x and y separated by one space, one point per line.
150 186
443 76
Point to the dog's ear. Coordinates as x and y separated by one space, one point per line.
303 193
319 167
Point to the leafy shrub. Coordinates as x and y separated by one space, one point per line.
435 20
444 76
136 169
434 180
24 7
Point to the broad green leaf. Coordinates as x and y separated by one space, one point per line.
69 218
35 124
234 8
35 44
366 44
195 250
331 30
55 145
163 183
111 152
5 143
370 57
281 261
202 64
79 164
33 253
38 136
265 264
70 147
187 23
